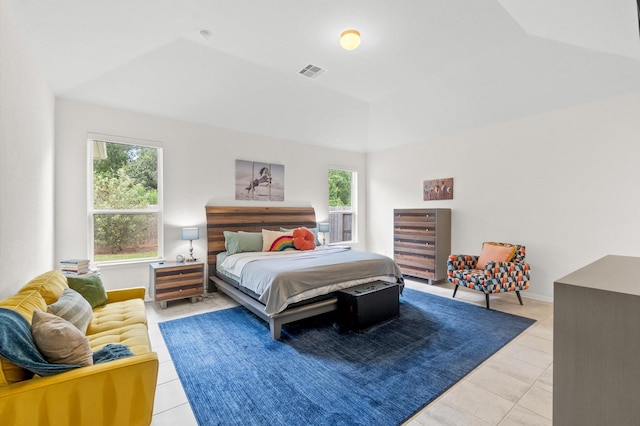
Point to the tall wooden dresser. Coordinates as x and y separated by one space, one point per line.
422 242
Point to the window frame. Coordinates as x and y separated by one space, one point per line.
158 211
354 204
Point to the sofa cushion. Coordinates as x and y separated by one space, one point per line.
74 308
11 373
59 341
134 336
25 303
90 287
50 285
117 314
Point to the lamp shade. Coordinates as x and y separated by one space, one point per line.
190 233
350 39
324 227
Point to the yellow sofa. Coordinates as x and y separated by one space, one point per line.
119 392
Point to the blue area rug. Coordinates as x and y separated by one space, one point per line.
234 373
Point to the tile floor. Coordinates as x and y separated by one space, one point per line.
513 387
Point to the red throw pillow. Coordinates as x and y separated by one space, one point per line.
303 239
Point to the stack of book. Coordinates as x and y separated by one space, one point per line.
75 266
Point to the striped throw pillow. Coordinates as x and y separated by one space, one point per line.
74 308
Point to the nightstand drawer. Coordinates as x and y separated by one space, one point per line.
175 277
178 293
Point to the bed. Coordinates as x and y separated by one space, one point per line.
286 309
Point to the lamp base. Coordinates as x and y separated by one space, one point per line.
191 258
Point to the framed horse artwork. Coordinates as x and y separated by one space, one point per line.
259 181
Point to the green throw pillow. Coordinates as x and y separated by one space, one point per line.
242 242
90 287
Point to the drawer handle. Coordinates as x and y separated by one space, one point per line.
426 229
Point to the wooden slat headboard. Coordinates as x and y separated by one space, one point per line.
251 219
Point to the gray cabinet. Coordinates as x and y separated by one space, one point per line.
422 242
596 344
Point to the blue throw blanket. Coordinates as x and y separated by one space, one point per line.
17 345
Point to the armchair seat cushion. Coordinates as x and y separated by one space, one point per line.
471 278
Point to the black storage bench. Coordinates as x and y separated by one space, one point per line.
368 304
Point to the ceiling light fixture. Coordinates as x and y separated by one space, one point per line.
350 39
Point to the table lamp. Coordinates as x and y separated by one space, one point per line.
191 234
324 228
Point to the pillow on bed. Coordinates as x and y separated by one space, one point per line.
313 230
303 239
277 241
241 242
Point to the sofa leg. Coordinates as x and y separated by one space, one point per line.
519 297
486 296
455 289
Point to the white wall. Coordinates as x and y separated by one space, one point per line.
563 183
26 161
199 168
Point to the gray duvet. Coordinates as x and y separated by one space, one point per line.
278 280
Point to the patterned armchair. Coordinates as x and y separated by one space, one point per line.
494 277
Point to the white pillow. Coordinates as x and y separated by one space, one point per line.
277 241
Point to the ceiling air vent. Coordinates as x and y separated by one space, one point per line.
311 71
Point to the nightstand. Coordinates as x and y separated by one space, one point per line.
176 280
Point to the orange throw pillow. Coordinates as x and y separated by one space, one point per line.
303 239
494 253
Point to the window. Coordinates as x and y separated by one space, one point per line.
125 199
342 205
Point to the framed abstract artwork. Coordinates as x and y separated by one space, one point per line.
437 189
259 181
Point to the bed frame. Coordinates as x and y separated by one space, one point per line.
254 219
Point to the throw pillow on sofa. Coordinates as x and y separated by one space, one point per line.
91 288
74 308
59 341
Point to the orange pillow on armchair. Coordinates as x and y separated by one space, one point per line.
495 253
